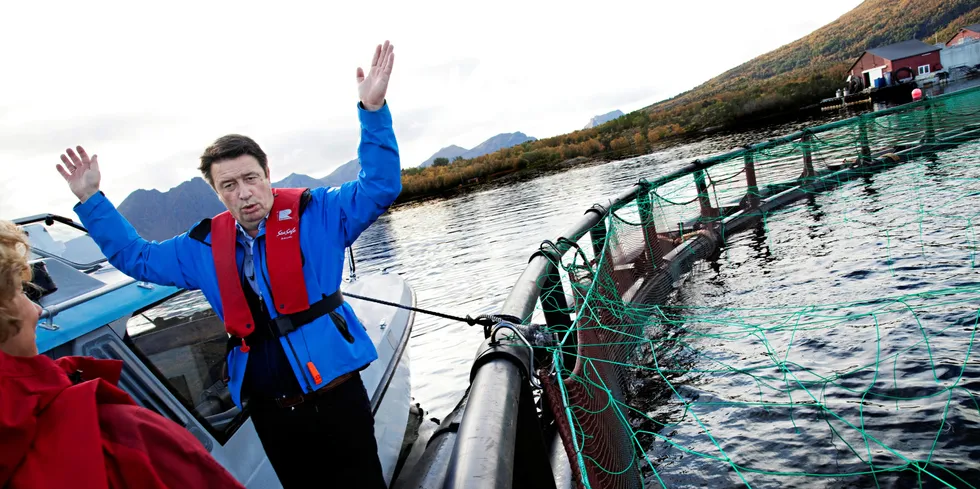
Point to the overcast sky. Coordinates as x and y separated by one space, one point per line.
147 90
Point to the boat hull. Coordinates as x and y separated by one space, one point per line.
388 379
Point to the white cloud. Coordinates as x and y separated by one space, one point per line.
148 88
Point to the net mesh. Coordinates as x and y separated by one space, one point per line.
797 314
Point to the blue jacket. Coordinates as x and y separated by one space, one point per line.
332 220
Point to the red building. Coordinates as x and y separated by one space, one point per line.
900 61
965 34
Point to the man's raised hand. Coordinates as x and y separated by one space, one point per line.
372 88
81 173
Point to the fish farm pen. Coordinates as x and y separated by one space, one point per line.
796 313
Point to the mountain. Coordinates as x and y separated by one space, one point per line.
497 143
449 152
297 180
162 215
494 144
602 119
344 173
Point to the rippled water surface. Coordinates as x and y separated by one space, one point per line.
838 331
898 367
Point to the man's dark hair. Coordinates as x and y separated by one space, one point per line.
230 147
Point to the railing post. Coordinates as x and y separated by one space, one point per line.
704 201
553 302
808 171
598 235
865 144
555 306
751 199
930 135
645 207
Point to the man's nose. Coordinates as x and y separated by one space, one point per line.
244 192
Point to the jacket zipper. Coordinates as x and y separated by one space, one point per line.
288 341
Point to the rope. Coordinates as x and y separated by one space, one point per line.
485 320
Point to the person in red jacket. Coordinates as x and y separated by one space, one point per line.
64 423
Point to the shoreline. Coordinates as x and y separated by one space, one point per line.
518 176
544 170
737 130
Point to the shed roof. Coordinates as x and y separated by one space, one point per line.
904 49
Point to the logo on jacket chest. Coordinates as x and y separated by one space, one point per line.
285 234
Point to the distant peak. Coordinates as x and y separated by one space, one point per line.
604 118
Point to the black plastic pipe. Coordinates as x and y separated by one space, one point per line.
483 457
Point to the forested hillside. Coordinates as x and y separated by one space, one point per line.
777 83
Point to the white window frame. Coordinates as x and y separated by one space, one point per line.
926 71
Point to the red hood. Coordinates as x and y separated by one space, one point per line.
28 386
64 423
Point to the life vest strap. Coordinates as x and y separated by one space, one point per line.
287 323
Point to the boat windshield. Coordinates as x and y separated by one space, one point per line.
53 239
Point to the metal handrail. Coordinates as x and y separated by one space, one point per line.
50 312
521 300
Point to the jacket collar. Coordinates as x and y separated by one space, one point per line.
243 234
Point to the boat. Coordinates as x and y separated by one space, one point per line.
172 346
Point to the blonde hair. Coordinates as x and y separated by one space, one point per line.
14 271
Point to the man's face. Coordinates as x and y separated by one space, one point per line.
244 188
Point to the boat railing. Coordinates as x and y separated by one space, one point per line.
74 272
487 449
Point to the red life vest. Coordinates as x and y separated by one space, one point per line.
283 259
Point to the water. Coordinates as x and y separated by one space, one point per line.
868 296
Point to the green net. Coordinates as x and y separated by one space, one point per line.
799 313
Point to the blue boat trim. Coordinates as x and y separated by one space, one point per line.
100 311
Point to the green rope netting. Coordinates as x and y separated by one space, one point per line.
828 342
